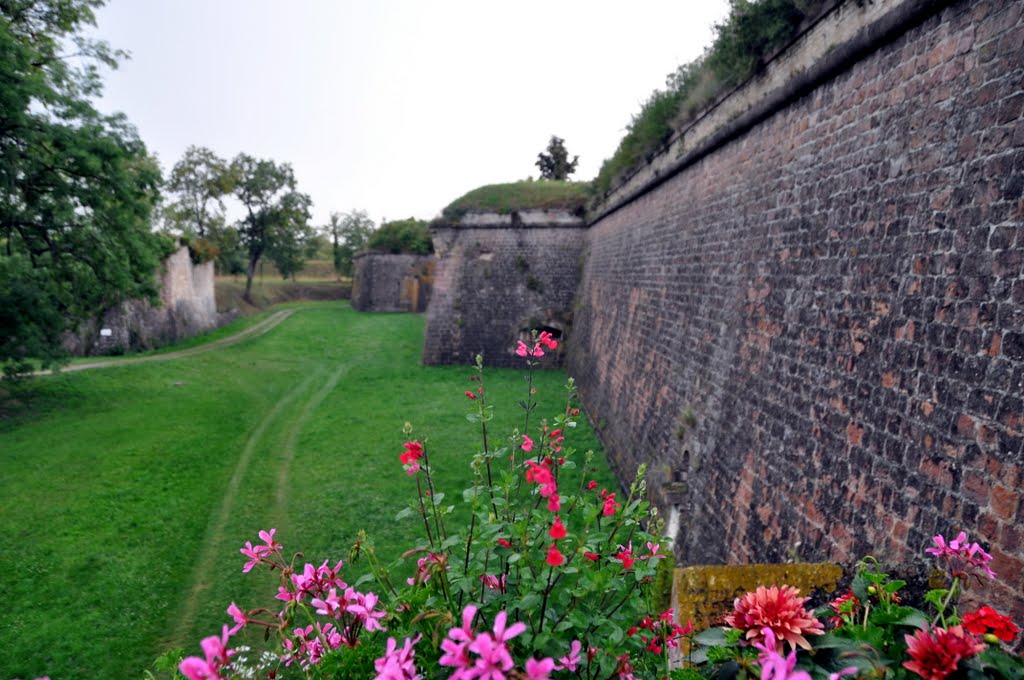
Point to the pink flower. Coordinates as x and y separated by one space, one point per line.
253 553
554 558
397 664
268 538
554 503
413 452
239 616
557 530
492 582
470 394
456 646
522 350
217 654
527 444
774 666
539 670
547 340
569 661
781 610
936 656
591 485
961 555
653 548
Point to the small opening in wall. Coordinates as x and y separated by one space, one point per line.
556 333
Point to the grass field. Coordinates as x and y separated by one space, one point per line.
127 491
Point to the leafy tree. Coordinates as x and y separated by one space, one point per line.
349 233
200 180
77 188
403 236
275 213
294 239
555 163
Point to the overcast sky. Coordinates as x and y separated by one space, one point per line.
396 107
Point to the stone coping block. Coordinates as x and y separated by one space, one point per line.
704 594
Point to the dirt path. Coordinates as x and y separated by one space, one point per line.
252 332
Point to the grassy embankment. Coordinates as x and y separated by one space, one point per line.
128 491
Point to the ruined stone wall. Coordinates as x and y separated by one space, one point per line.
187 307
810 322
385 282
498 278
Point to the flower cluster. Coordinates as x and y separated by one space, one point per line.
544 340
873 631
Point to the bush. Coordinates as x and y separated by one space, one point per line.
402 236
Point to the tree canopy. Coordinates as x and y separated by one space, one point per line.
403 236
276 215
555 164
349 233
77 188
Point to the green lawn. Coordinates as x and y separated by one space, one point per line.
127 491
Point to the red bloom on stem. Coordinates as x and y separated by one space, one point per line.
781 610
413 452
987 620
557 530
846 607
527 444
554 558
591 485
504 543
610 506
626 556
934 656
547 340
470 394
593 557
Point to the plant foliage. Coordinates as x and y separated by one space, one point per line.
77 188
402 236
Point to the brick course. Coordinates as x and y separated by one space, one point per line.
837 297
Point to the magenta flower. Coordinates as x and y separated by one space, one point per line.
527 444
255 555
570 660
217 654
960 555
268 539
397 664
456 646
774 666
539 670
239 616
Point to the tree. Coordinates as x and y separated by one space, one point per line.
293 240
274 211
349 233
77 188
555 163
403 236
200 180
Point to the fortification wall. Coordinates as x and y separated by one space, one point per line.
384 282
187 307
809 321
498 278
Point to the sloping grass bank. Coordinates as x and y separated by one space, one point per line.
128 491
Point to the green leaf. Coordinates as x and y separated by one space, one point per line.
711 637
404 513
473 417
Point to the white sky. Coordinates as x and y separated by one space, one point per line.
396 107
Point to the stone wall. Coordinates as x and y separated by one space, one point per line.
385 282
809 322
187 308
498 278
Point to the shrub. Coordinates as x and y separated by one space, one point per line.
402 236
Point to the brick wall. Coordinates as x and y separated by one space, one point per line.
814 334
384 282
498 277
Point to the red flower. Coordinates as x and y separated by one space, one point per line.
554 503
626 556
593 557
504 543
545 339
591 485
554 558
846 607
610 506
935 657
988 620
470 394
781 610
413 452
557 530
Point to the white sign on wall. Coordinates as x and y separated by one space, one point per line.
106 332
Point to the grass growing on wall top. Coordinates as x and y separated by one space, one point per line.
525 195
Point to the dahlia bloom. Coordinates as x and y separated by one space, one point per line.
936 655
781 610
